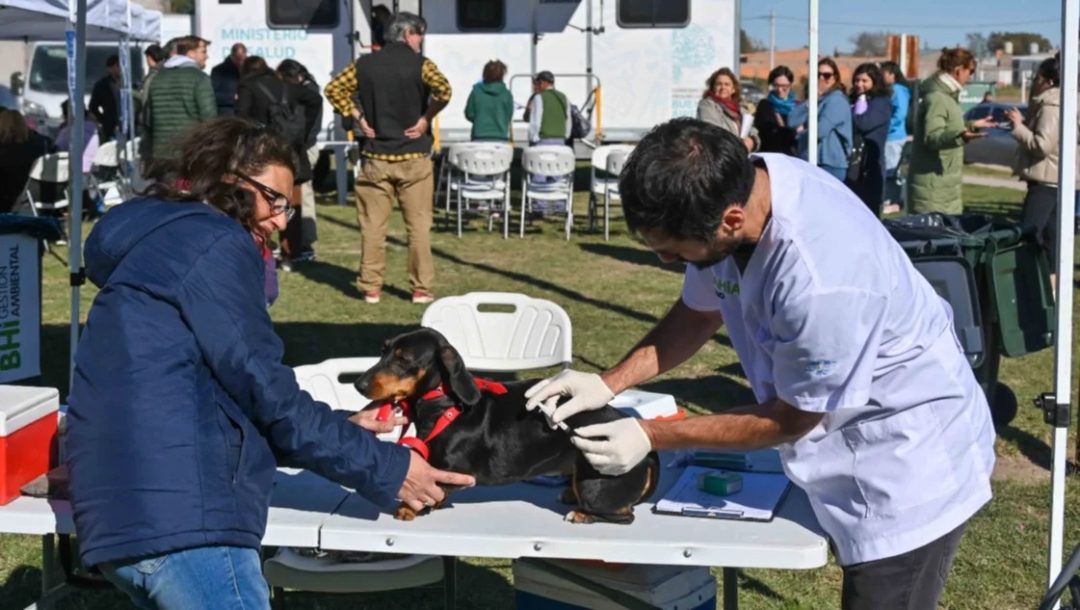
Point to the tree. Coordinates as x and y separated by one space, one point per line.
869 44
186 7
1019 40
977 44
747 44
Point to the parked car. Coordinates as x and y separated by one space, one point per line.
751 93
7 99
999 146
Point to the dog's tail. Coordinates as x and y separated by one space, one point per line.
652 462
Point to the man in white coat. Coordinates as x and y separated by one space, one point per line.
859 379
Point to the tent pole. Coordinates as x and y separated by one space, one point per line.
1058 411
811 75
75 153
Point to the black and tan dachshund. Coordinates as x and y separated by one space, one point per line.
494 438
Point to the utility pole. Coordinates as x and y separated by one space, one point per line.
772 38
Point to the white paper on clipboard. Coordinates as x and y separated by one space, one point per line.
757 501
747 125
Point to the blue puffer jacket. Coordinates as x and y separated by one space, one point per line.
181 408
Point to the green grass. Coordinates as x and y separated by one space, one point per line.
614 292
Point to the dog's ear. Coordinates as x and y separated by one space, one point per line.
456 377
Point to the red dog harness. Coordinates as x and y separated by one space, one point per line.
448 416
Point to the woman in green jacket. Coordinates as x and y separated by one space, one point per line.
937 154
490 107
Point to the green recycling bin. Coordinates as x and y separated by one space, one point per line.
996 278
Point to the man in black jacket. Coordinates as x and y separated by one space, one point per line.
224 78
393 95
105 100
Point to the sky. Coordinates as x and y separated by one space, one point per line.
939 22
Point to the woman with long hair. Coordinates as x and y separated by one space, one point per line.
771 115
937 152
294 74
721 105
20 147
1038 157
834 139
898 134
871 110
181 408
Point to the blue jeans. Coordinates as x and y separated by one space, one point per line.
204 578
893 150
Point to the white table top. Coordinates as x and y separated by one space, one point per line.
521 520
526 520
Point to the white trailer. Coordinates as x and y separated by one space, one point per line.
640 61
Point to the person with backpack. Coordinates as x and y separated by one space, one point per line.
548 113
720 105
490 107
871 111
295 74
262 97
834 139
894 78
937 152
180 97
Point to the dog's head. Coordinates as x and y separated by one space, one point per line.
414 363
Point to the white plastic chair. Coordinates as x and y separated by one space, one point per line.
485 169
288 569
615 162
607 184
49 169
448 181
498 332
553 161
106 160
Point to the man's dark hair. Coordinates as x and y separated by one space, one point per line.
112 60
682 176
155 53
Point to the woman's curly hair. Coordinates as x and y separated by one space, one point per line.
210 154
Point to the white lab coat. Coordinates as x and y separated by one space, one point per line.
831 317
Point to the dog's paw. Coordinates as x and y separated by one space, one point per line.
405 513
576 516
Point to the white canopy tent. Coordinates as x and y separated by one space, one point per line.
101 20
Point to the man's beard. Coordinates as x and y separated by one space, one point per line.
720 252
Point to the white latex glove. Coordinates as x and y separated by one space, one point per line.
615 447
587 391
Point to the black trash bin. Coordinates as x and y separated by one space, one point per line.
996 278
21 246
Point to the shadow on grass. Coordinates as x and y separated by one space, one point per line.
527 279
23 588
638 256
1034 449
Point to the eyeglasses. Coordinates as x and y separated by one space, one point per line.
279 204
826 75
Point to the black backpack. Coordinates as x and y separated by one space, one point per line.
856 156
284 119
579 125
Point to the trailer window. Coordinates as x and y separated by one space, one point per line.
653 13
306 14
484 15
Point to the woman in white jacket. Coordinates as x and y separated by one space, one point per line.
1037 155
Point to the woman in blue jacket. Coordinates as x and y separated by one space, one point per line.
834 122
181 409
898 135
871 110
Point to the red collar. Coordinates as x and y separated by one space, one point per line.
448 416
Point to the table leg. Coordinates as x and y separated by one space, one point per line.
731 589
450 582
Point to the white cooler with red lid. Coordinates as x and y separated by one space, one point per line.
28 418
